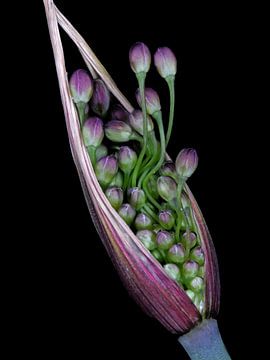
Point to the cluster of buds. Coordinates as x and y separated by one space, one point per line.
147 192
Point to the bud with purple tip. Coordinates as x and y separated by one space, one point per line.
190 270
197 255
143 222
101 151
147 237
136 197
173 271
136 121
164 240
196 284
127 159
168 169
165 62
118 131
166 187
166 219
100 100
176 254
127 213
189 239
119 113
93 132
115 196
139 58
186 163
151 99
106 168
81 86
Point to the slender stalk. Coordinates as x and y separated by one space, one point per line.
92 153
170 82
204 342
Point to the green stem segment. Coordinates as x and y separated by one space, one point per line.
81 111
92 153
204 342
141 80
170 82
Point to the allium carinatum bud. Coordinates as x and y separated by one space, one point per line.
106 168
115 196
136 197
189 239
164 240
151 99
81 86
166 187
166 219
118 131
186 162
168 169
136 121
143 222
147 237
93 131
176 254
173 271
100 100
127 159
101 151
165 62
197 255
127 213
139 58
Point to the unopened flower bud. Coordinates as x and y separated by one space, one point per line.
119 113
189 239
118 131
136 197
81 86
158 255
168 169
173 271
93 132
166 219
127 159
100 100
106 168
136 121
186 162
127 213
151 99
165 62
166 187
143 222
147 237
117 180
115 196
176 254
196 284
101 151
190 270
164 240
197 255
139 58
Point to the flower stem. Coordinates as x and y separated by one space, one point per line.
81 111
204 342
170 82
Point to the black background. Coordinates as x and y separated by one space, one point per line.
85 310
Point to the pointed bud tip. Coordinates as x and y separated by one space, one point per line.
165 62
186 162
81 86
139 58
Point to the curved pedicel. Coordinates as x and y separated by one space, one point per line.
145 279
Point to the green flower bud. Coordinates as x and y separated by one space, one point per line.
189 239
127 213
165 62
147 237
166 187
190 270
151 99
92 132
127 159
81 86
118 131
176 254
143 222
197 255
173 271
191 295
136 197
196 284
136 121
106 168
115 196
101 151
166 219
164 240
186 162
117 180
168 169
140 58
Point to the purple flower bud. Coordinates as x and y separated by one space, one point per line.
136 121
119 113
190 270
93 132
139 58
143 222
136 197
173 271
118 131
100 101
117 180
166 219
176 254
81 86
197 255
189 239
168 169
166 187
186 162
127 213
115 196
127 159
101 151
106 168
147 237
196 284
164 240
151 99
165 62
